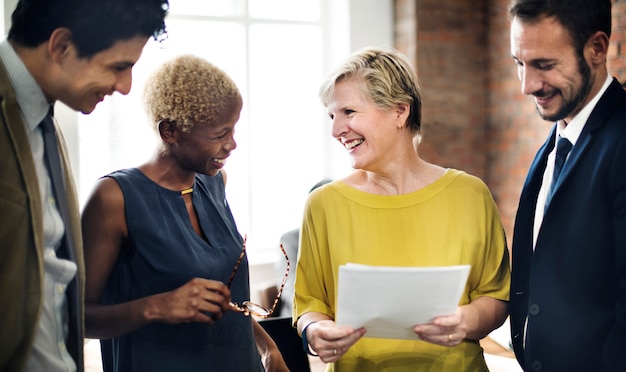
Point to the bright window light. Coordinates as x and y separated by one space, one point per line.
276 55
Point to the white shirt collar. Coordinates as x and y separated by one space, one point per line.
575 127
30 97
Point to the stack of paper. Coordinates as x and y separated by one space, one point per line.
390 301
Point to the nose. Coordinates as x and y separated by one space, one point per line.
338 128
231 144
124 82
531 80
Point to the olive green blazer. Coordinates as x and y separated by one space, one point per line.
21 238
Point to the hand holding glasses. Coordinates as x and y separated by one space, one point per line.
248 307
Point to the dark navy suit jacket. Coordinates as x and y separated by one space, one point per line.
572 287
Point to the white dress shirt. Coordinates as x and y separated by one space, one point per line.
49 351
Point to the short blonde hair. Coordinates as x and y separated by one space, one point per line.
387 77
188 90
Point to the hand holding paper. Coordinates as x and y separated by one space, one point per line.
390 301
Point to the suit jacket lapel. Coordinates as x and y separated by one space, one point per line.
604 108
525 217
535 173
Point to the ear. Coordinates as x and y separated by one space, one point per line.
60 44
598 48
402 114
167 131
402 109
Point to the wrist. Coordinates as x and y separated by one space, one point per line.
149 309
305 341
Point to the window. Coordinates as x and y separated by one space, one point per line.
278 52
2 20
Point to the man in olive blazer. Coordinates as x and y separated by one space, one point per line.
76 52
21 225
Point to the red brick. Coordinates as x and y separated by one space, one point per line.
475 117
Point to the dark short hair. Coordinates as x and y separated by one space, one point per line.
95 24
581 18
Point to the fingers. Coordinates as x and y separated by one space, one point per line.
334 351
199 300
445 330
331 355
213 298
451 339
445 336
331 342
450 321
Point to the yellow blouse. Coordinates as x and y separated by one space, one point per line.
450 222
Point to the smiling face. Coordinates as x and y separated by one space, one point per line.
83 82
367 132
550 69
205 147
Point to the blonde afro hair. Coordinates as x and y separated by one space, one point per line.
188 90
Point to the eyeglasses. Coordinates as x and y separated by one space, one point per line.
248 307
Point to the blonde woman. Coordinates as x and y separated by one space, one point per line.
396 209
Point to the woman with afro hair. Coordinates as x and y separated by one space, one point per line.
161 244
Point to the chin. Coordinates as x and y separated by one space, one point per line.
87 108
546 115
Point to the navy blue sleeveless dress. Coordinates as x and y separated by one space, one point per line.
162 253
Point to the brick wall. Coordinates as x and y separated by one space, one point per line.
514 130
450 50
474 117
617 52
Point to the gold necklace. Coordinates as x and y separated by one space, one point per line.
186 191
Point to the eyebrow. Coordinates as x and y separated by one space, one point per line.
123 64
537 60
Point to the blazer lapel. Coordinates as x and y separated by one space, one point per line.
525 216
600 114
535 173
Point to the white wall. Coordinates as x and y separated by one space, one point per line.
5 15
371 23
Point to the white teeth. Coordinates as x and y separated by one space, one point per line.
219 161
352 144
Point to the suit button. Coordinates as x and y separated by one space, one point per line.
536 365
534 309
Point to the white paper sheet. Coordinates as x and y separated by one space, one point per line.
390 301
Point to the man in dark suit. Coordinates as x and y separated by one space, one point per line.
568 285
76 52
